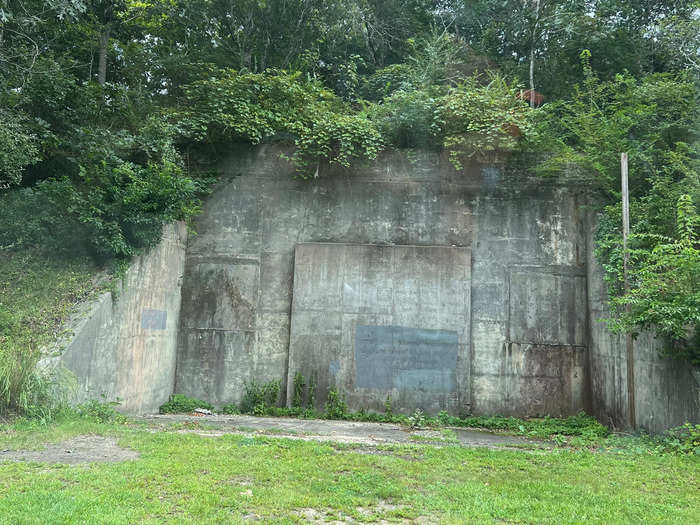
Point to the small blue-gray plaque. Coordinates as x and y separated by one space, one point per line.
154 319
491 176
408 359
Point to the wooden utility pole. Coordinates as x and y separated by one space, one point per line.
533 41
628 337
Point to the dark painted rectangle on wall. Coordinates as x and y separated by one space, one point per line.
408 359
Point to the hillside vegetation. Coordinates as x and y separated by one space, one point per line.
37 295
112 111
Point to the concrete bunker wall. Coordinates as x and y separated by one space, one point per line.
522 330
496 306
125 348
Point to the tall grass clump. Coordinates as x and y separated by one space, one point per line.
37 295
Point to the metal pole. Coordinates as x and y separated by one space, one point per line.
628 337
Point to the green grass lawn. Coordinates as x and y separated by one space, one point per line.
187 478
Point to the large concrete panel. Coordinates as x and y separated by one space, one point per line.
376 321
542 379
388 357
547 306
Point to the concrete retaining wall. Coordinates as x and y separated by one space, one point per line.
528 319
126 348
667 392
472 292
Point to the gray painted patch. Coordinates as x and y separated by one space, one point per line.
406 358
153 319
491 175
333 368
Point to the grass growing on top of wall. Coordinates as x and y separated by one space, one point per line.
37 295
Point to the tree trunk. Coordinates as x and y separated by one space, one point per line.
533 42
102 61
532 76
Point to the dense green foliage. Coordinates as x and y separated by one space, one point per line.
37 295
259 398
666 292
277 105
109 110
18 148
181 404
654 120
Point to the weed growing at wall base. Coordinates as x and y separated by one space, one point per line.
261 398
179 404
335 407
101 410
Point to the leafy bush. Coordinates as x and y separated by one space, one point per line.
18 147
335 407
383 82
440 59
410 118
230 409
112 199
181 404
125 188
665 296
100 410
417 419
443 417
257 107
682 440
652 119
481 119
260 398
124 206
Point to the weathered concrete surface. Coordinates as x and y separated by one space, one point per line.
376 321
667 392
126 348
357 432
527 241
526 337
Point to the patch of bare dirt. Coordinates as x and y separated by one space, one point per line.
371 514
81 449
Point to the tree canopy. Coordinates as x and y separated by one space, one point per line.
105 104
